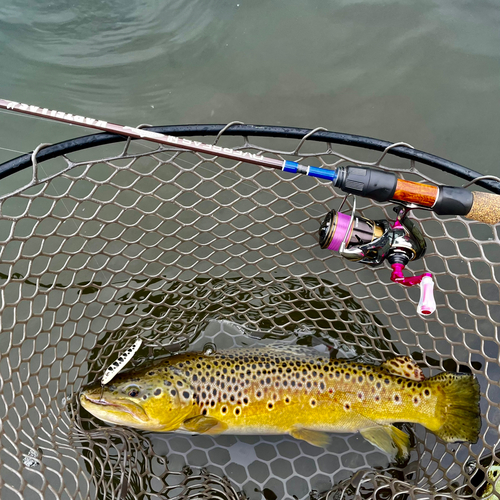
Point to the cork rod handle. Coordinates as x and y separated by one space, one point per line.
485 208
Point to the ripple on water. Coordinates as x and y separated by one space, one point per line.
101 33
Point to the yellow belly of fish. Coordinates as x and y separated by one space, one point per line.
340 412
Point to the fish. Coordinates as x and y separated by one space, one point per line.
484 480
491 488
289 390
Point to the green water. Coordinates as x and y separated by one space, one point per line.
424 72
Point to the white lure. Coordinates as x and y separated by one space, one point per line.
122 360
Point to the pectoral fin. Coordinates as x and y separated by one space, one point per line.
316 438
202 423
405 367
390 439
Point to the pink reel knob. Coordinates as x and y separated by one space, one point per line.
427 304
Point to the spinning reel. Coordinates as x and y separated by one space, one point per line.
372 242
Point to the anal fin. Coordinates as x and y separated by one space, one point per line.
390 439
203 423
405 367
316 438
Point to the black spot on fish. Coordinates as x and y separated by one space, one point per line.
185 394
173 392
151 373
387 381
157 392
179 383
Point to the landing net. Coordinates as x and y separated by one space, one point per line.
103 246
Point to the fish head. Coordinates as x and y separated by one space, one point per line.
157 398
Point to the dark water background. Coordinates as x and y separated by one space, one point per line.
425 72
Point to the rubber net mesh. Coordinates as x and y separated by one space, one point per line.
182 251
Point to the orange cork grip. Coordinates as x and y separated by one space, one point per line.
414 192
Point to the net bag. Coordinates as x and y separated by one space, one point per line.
106 240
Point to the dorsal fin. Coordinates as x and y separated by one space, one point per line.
405 367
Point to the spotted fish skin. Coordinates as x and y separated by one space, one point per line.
280 391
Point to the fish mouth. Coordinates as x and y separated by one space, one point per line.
98 406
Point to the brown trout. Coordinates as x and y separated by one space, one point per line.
289 391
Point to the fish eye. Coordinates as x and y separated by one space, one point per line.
133 391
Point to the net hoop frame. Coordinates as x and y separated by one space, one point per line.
402 151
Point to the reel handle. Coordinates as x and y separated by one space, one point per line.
427 303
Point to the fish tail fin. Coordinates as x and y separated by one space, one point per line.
458 407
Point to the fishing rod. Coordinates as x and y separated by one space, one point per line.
355 238
362 181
